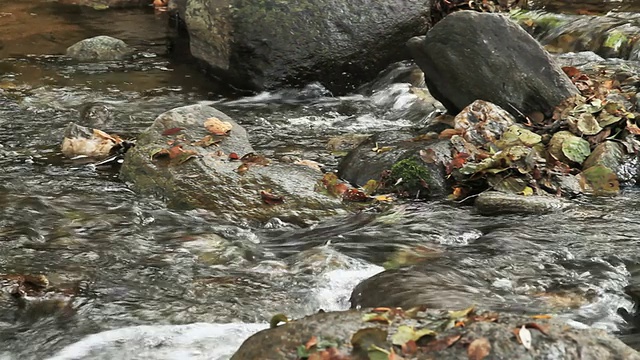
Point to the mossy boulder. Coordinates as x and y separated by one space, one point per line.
394 158
266 44
204 173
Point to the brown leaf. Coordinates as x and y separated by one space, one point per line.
428 156
409 347
441 344
572 71
633 128
479 349
242 169
355 195
457 162
270 198
172 131
206 141
448 133
217 126
175 154
311 343
253 158
542 328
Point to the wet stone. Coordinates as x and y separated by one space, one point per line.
99 48
494 202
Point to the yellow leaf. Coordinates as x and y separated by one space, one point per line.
217 126
528 191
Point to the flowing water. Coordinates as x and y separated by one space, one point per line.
144 281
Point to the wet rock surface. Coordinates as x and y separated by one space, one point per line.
267 44
207 177
431 334
375 158
100 4
99 48
494 60
494 202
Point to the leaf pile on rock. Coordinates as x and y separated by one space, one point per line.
577 149
332 185
422 333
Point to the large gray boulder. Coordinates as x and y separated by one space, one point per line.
211 180
470 56
260 45
484 335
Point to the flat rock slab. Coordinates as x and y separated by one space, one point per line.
470 56
495 202
491 335
210 180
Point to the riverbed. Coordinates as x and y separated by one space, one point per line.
152 282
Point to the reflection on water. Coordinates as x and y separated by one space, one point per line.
135 272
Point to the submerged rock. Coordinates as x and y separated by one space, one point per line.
221 173
99 48
430 334
469 56
495 202
260 45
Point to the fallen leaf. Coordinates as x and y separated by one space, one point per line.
373 317
409 347
461 314
448 133
383 198
234 156
441 344
632 128
571 71
206 141
406 333
311 343
277 319
479 349
176 155
355 195
253 158
428 156
242 169
368 337
370 187
270 198
542 316
544 329
172 131
217 126
457 162
310 163
576 149
599 180
525 337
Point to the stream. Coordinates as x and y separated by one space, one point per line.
152 282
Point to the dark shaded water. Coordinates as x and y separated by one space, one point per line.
151 282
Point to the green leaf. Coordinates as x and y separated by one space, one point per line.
277 319
302 352
405 333
368 338
606 119
461 314
576 149
599 180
